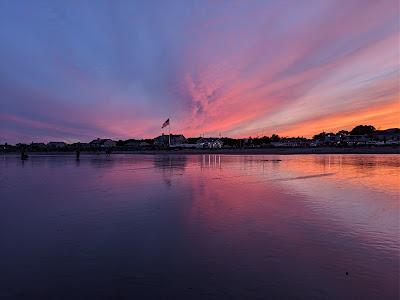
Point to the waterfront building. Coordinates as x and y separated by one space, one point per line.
56 145
164 139
103 144
211 143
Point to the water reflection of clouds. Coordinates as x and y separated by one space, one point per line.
310 213
263 216
372 172
306 177
170 167
224 214
335 185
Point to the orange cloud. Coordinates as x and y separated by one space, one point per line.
381 116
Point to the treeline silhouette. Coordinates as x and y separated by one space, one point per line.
322 139
358 130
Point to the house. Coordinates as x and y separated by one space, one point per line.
95 143
80 146
184 145
332 139
144 144
356 139
132 145
391 134
136 144
56 145
291 142
211 143
109 144
7 148
102 143
37 146
163 140
294 142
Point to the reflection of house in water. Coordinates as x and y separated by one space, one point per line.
210 161
170 166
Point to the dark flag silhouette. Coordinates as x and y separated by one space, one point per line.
166 123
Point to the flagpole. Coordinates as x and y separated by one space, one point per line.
169 130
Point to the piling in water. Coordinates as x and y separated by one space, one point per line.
24 156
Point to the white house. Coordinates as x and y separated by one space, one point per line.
211 143
56 145
109 144
103 143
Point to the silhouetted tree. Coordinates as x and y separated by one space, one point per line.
231 142
261 140
343 132
193 140
149 141
265 140
363 129
320 136
275 138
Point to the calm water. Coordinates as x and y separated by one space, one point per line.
207 227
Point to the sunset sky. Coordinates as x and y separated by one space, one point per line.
75 71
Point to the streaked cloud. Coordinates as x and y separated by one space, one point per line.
77 72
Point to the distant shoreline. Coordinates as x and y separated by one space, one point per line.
249 151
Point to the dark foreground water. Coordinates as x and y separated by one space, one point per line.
200 226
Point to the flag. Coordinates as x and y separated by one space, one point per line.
166 123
